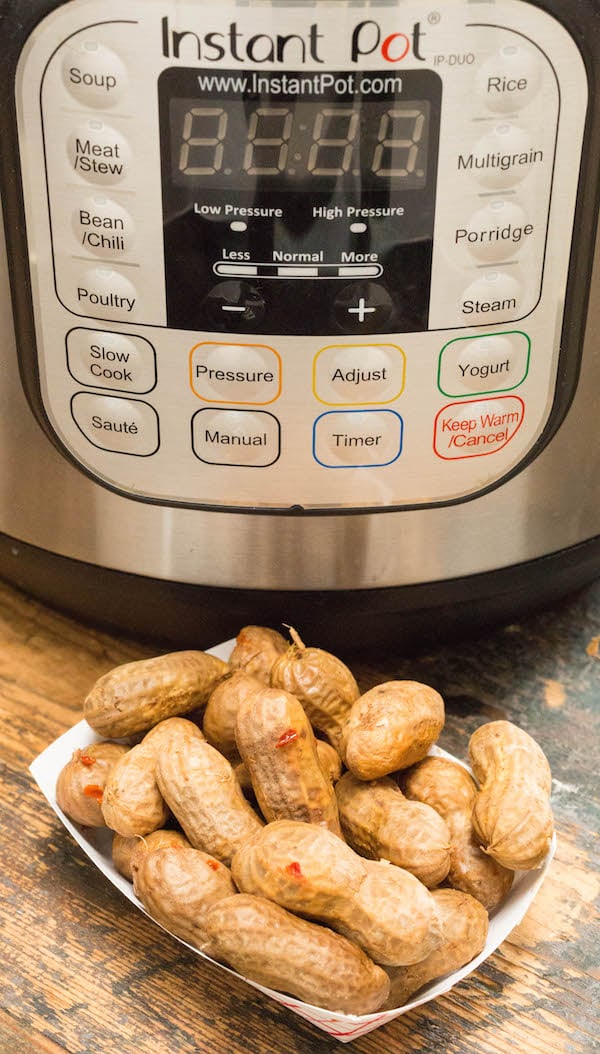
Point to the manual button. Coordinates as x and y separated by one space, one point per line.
124 426
236 437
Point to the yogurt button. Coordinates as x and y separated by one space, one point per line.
99 153
103 227
94 74
491 363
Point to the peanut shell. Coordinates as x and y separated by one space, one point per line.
81 782
391 727
256 649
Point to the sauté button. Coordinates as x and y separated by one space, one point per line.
124 426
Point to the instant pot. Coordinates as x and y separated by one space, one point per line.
303 313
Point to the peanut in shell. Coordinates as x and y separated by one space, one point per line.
256 650
137 695
391 727
81 782
323 684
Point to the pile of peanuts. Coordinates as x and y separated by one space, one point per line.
298 831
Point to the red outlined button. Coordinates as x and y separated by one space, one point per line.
478 427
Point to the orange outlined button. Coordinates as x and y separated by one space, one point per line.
478 427
245 374
359 374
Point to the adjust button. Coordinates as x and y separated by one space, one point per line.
93 74
124 426
359 373
236 437
120 361
357 438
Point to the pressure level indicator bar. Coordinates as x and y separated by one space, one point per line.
298 270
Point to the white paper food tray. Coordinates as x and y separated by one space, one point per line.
96 844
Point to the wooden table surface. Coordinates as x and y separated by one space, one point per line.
83 971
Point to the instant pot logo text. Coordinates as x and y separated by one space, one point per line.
367 39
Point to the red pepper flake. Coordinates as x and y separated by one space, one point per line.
92 790
87 759
294 869
287 737
212 864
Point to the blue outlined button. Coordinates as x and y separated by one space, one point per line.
357 438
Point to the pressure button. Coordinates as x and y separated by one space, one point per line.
124 426
94 74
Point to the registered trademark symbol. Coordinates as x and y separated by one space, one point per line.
433 18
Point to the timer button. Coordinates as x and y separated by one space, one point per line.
103 227
362 307
235 306
93 74
357 438
99 153
509 79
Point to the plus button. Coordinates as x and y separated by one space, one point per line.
361 310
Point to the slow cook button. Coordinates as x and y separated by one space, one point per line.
477 428
490 363
99 153
124 426
357 438
235 373
94 74
121 361
243 438
358 373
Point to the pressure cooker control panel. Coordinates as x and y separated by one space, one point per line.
298 255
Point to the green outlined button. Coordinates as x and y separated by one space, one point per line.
481 365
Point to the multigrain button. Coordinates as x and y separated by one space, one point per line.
242 438
103 227
123 426
94 74
99 153
121 361
357 438
503 157
491 363
358 373
235 373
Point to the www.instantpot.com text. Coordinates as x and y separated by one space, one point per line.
294 84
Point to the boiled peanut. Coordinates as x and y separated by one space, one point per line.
132 803
256 649
512 814
323 684
278 747
81 782
464 924
134 697
220 715
201 790
272 947
126 852
380 823
391 727
449 789
309 870
329 760
178 885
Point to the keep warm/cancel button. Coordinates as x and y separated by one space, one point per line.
475 428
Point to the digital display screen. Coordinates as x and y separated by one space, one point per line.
235 143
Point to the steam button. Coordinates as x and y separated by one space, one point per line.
94 74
